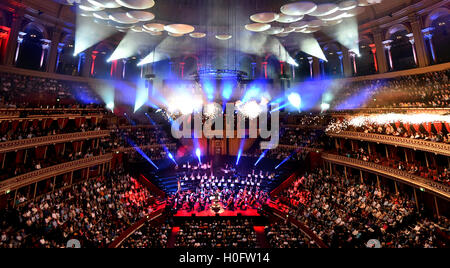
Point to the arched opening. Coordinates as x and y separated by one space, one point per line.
66 63
400 55
273 67
441 38
102 68
365 62
30 49
332 68
302 71
190 66
248 64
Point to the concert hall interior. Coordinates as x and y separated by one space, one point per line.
224 124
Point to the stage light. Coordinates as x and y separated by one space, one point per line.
346 33
172 158
110 106
141 95
130 44
325 107
284 161
88 33
138 150
261 157
241 150
295 100
310 45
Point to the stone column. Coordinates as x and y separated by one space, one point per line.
58 58
16 24
381 56
421 51
316 68
44 55
374 53
124 68
353 58
341 62
346 62
19 45
311 71
264 67
182 69
427 33
387 47
54 51
412 41
253 70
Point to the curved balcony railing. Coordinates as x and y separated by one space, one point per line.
295 147
56 170
16 145
392 110
146 147
396 174
415 144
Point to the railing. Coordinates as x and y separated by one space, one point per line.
56 170
396 174
146 147
16 145
294 147
415 144
392 110
75 111
301 226
128 232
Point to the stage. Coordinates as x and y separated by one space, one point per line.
226 213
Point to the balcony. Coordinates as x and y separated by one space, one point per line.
398 175
439 148
16 145
56 170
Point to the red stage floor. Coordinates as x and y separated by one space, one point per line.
226 213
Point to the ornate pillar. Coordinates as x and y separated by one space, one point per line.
19 45
182 69
353 58
92 67
54 51
81 57
264 67
316 68
311 72
281 67
88 63
253 70
124 68
412 41
58 58
374 53
44 55
322 67
16 23
341 63
5 32
421 51
381 55
427 33
346 62
387 47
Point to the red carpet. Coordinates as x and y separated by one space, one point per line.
226 213
261 237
